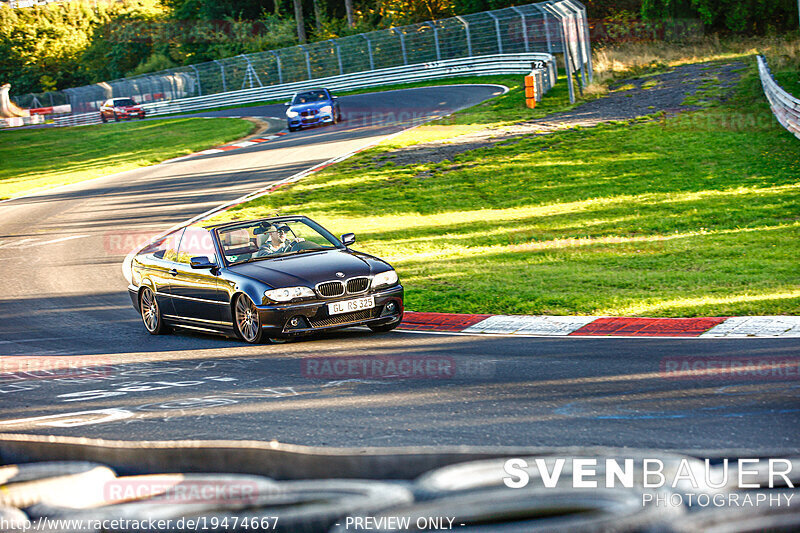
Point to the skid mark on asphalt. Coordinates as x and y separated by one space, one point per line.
588 409
30 242
67 420
122 383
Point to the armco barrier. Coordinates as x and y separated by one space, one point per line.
468 66
785 107
82 119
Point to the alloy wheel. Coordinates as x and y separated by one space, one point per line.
247 320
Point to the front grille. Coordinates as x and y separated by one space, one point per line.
309 113
344 318
330 289
356 285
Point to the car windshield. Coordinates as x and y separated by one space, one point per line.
309 97
124 102
268 239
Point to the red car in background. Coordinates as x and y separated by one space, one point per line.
119 108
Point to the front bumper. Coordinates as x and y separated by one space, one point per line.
315 120
313 316
131 114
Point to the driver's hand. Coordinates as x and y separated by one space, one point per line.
299 239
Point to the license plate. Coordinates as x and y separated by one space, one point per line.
348 306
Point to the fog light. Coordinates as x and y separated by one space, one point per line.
390 307
294 322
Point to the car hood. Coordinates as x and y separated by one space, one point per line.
310 268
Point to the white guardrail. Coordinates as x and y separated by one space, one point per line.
468 66
785 107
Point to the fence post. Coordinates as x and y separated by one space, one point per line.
574 19
308 60
251 73
338 55
546 28
436 40
497 27
524 26
369 51
197 75
565 50
278 61
222 72
466 30
402 44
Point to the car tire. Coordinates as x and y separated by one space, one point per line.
103 118
246 321
116 118
28 484
151 313
383 328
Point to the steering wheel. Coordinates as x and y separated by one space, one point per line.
295 246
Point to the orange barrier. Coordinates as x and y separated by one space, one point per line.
533 88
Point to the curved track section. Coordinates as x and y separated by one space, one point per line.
77 360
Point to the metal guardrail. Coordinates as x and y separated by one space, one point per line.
553 27
469 66
785 107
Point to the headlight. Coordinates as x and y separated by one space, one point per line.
325 109
288 293
291 114
384 278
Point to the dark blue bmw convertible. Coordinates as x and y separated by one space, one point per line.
272 278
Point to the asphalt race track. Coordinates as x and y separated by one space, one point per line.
63 299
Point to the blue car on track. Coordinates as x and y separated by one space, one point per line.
312 108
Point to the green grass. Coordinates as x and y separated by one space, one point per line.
695 215
503 110
34 159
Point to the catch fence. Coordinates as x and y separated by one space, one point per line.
554 27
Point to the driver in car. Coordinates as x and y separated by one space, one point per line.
277 242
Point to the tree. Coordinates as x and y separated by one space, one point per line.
301 25
348 7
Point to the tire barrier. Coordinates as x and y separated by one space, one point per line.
480 475
28 484
160 496
530 509
400 489
785 107
741 520
13 519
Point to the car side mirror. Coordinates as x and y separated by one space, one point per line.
287 104
201 262
348 239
